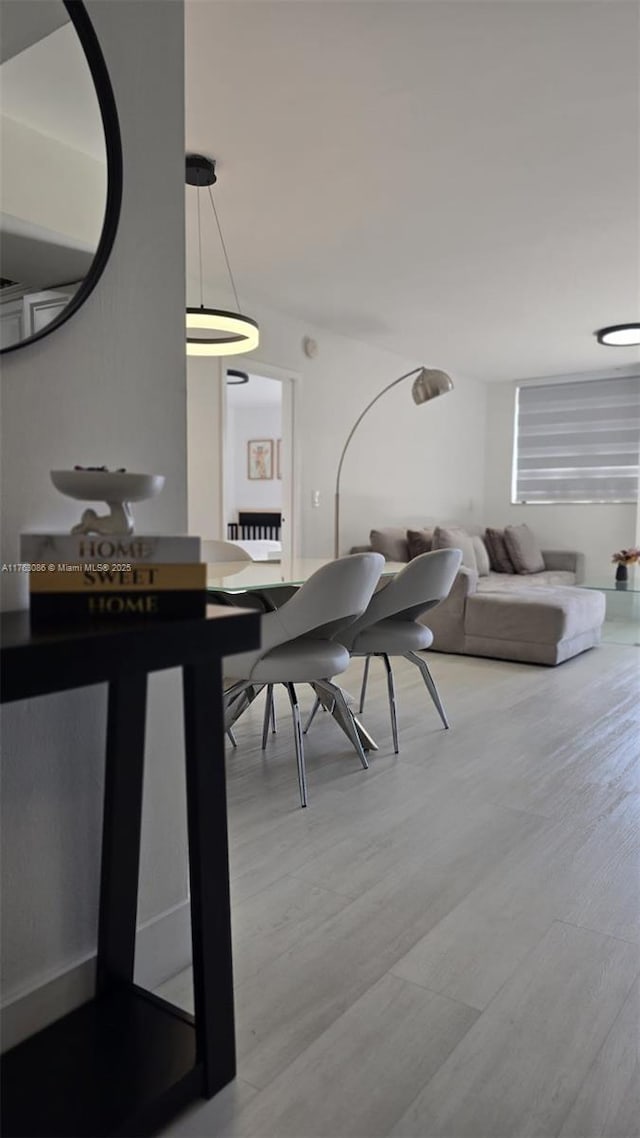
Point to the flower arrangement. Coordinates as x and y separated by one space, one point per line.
626 557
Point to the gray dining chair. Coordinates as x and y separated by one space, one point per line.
390 627
298 646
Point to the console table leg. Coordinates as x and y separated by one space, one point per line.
209 873
121 828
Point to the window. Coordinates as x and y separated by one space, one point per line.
577 441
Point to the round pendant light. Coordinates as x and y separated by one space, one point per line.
619 335
215 331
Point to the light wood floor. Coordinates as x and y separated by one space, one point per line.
446 945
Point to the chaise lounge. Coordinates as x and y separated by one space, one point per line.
537 617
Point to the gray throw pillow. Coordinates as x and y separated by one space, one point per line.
419 541
482 556
390 542
523 549
455 538
498 556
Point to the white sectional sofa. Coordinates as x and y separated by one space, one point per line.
538 617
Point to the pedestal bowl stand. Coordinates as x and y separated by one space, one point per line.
118 489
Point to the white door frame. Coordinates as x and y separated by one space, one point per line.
291 473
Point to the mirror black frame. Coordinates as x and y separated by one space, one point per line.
113 145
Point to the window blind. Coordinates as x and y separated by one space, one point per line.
578 442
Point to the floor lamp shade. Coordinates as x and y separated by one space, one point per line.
427 385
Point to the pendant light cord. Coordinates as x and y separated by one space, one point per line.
224 249
200 250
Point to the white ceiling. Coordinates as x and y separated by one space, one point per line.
22 25
48 87
457 181
260 391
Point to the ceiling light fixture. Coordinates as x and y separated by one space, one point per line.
213 331
619 335
238 377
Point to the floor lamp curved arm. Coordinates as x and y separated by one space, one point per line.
429 382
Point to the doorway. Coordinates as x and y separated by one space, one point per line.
259 506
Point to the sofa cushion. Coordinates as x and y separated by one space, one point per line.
390 542
497 550
523 549
419 541
552 577
454 537
513 582
534 616
483 564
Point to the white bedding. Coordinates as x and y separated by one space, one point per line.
262 550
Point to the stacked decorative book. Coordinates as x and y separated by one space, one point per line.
93 578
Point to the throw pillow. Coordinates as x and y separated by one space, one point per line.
456 538
390 542
482 556
523 549
498 555
419 541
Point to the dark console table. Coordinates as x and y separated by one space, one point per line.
125 1062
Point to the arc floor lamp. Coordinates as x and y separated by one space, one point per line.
429 383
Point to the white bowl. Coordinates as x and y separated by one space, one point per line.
106 486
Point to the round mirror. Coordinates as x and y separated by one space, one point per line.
60 166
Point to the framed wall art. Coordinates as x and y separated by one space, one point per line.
279 458
260 459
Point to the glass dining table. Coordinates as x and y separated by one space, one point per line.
263 577
271 583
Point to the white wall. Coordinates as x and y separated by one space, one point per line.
407 464
204 453
108 387
243 424
68 194
595 530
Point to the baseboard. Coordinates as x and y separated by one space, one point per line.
33 1009
163 948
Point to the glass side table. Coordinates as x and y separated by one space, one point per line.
622 617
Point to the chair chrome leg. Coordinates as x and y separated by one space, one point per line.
391 689
325 690
231 737
348 719
297 734
429 681
363 689
235 692
268 711
237 699
274 724
311 716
